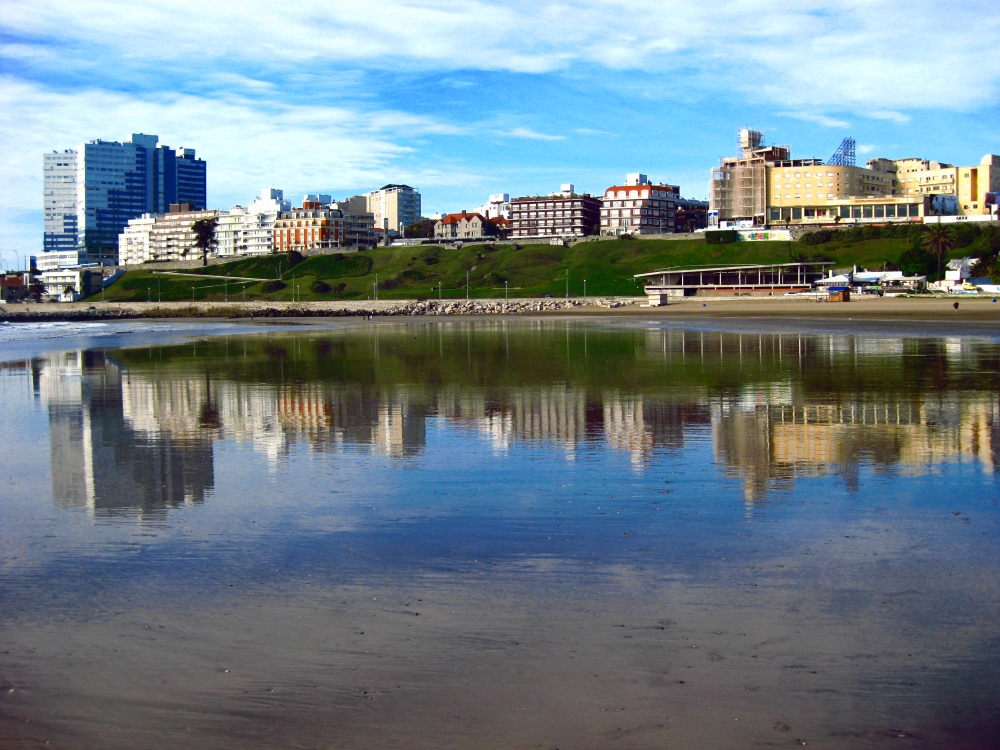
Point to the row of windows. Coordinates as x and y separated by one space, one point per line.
892 211
635 212
636 194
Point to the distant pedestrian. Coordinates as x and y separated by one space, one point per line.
955 305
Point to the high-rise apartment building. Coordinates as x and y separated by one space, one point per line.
400 204
91 193
59 169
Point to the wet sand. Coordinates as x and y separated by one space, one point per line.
493 663
874 309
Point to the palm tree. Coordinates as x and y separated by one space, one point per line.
938 241
204 237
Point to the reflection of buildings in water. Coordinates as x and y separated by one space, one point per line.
769 446
98 460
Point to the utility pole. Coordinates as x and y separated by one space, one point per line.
567 283
467 285
376 275
159 292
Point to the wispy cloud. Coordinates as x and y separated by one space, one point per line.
532 135
819 119
864 148
897 117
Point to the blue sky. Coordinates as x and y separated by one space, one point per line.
466 99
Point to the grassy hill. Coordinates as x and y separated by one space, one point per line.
530 271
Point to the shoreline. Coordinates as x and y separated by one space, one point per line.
886 310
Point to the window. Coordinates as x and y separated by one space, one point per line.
879 212
890 212
796 213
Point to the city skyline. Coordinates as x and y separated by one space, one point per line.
542 96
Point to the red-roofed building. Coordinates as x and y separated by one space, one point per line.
464 226
639 207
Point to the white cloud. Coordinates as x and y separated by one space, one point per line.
864 148
248 144
531 134
872 55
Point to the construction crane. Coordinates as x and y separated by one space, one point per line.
844 155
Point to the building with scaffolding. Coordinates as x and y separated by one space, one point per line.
764 186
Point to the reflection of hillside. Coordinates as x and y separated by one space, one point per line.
781 407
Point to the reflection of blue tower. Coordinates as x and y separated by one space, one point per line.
101 463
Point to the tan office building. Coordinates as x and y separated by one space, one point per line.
763 185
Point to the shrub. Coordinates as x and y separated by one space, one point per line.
721 237
965 234
338 256
851 234
389 284
272 286
295 257
412 275
871 232
319 287
818 237
431 260
626 237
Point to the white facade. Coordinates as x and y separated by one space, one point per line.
71 284
258 223
498 205
53 261
230 232
134 244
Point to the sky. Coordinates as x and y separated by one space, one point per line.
461 100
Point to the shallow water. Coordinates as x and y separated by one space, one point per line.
498 534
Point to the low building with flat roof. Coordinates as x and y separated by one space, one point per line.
747 279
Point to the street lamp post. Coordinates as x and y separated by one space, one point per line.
439 290
584 288
505 288
567 283
467 285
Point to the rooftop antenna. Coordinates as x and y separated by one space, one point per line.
844 155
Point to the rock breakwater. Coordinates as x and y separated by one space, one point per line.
268 309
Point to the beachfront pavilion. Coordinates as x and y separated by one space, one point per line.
749 279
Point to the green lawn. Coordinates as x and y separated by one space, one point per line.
532 271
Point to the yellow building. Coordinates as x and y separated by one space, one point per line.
764 185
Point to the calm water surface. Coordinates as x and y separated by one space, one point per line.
497 534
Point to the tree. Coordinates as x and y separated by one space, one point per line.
989 256
939 242
204 237
423 229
